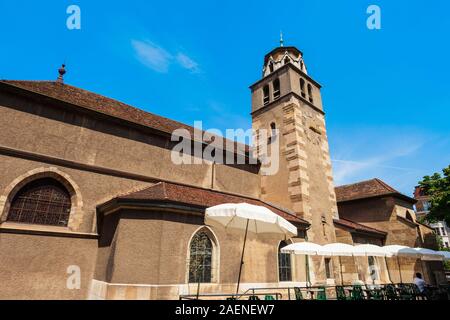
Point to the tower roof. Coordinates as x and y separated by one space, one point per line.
282 50
281 56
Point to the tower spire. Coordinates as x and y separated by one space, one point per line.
281 39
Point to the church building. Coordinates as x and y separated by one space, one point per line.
88 187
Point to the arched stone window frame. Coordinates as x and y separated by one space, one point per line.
303 87
215 262
21 181
293 274
276 85
310 93
266 94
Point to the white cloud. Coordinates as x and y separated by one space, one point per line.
187 63
160 59
152 56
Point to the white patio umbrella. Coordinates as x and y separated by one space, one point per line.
429 255
339 250
251 218
371 250
445 254
303 248
403 251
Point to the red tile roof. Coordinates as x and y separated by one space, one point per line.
98 103
183 194
367 189
359 227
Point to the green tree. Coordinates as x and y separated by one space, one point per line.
438 188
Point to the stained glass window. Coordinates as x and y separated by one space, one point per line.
200 262
44 201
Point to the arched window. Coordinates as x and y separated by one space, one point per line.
287 60
200 258
266 93
43 201
284 264
271 66
302 87
276 89
273 132
310 93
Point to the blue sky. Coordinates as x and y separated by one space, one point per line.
386 92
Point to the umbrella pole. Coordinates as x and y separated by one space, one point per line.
308 280
387 268
357 267
399 269
242 258
342 275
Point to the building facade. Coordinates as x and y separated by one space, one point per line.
89 188
423 208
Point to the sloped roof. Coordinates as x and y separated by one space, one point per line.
359 227
195 196
104 105
367 189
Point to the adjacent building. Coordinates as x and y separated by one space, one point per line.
423 208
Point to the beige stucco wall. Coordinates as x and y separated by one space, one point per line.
36 266
150 249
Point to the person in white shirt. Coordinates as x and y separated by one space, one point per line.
419 282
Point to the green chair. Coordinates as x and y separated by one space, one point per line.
405 291
298 294
357 293
375 294
269 297
390 292
321 295
340 293
254 298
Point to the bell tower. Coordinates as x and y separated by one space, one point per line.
287 104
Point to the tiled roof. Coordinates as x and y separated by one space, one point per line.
366 189
171 192
359 227
98 103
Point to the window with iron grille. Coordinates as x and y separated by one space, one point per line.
44 201
200 261
284 264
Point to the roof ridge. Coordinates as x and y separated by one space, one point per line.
135 190
358 182
358 223
166 196
385 185
164 189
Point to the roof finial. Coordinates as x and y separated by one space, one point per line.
62 72
281 39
